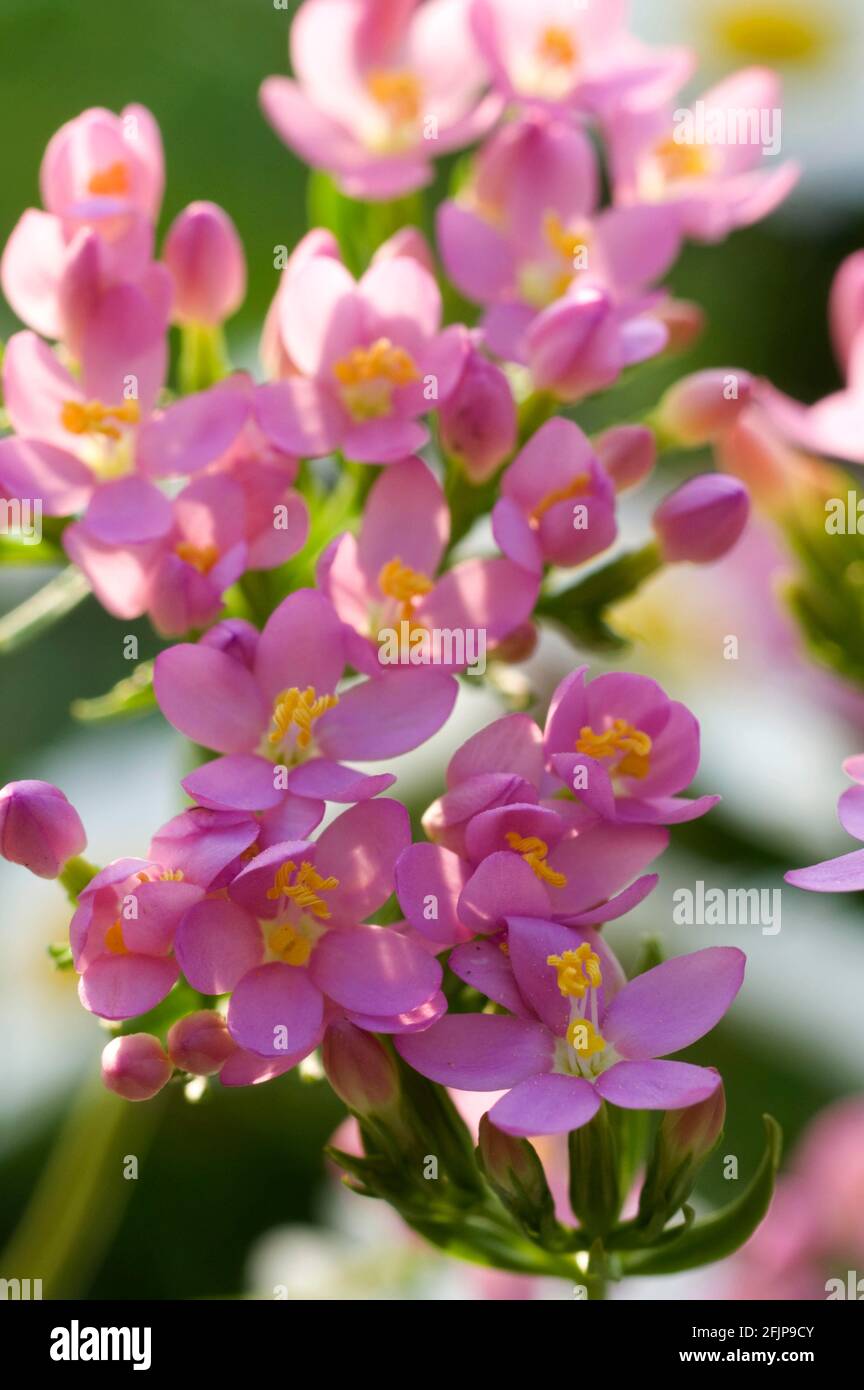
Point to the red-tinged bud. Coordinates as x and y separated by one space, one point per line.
39 828
359 1070
684 1140
205 257
517 645
200 1043
684 321
702 520
407 242
700 408
478 420
628 454
135 1066
693 1132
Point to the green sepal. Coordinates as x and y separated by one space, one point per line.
130 697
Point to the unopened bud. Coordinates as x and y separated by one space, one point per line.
407 242
39 827
702 520
200 1043
478 421
135 1066
700 408
358 1068
628 454
684 322
684 1141
205 257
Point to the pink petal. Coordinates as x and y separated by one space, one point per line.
387 716
128 512
360 848
192 432
842 875
511 744
672 1005
405 516
329 781
124 986
484 966
238 782
552 1104
301 645
30 469
217 944
276 1011
653 1085
479 1052
374 970
429 880
502 885
210 698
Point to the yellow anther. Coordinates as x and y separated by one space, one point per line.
306 889
114 939
289 945
299 708
562 494
368 377
578 971
92 417
200 557
399 581
557 46
769 33
535 852
399 93
113 179
682 159
569 244
171 876
633 744
584 1038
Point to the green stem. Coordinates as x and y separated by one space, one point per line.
75 875
203 358
44 608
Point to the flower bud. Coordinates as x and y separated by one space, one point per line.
135 1066
200 1043
701 520
514 1170
407 242
628 454
683 320
205 256
700 408
39 827
684 1140
478 420
359 1070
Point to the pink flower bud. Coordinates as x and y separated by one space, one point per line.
358 1069
628 453
478 421
200 1043
702 407
410 242
701 520
684 322
205 256
135 1066
39 828
691 1133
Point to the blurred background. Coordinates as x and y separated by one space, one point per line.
232 1196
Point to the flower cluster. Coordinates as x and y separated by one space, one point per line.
329 612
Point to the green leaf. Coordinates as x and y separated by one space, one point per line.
43 609
129 698
714 1237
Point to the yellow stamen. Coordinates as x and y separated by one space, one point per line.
300 708
202 558
305 890
584 1038
561 494
633 744
92 417
114 939
569 244
171 876
772 33
369 376
557 47
289 944
400 582
399 93
113 179
682 159
535 851
578 971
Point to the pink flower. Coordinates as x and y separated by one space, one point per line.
289 944
94 442
368 358
579 1034
525 238
101 179
39 827
569 54
702 519
625 749
216 529
478 423
381 89
709 180
205 257
844 874
382 582
557 503
272 709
